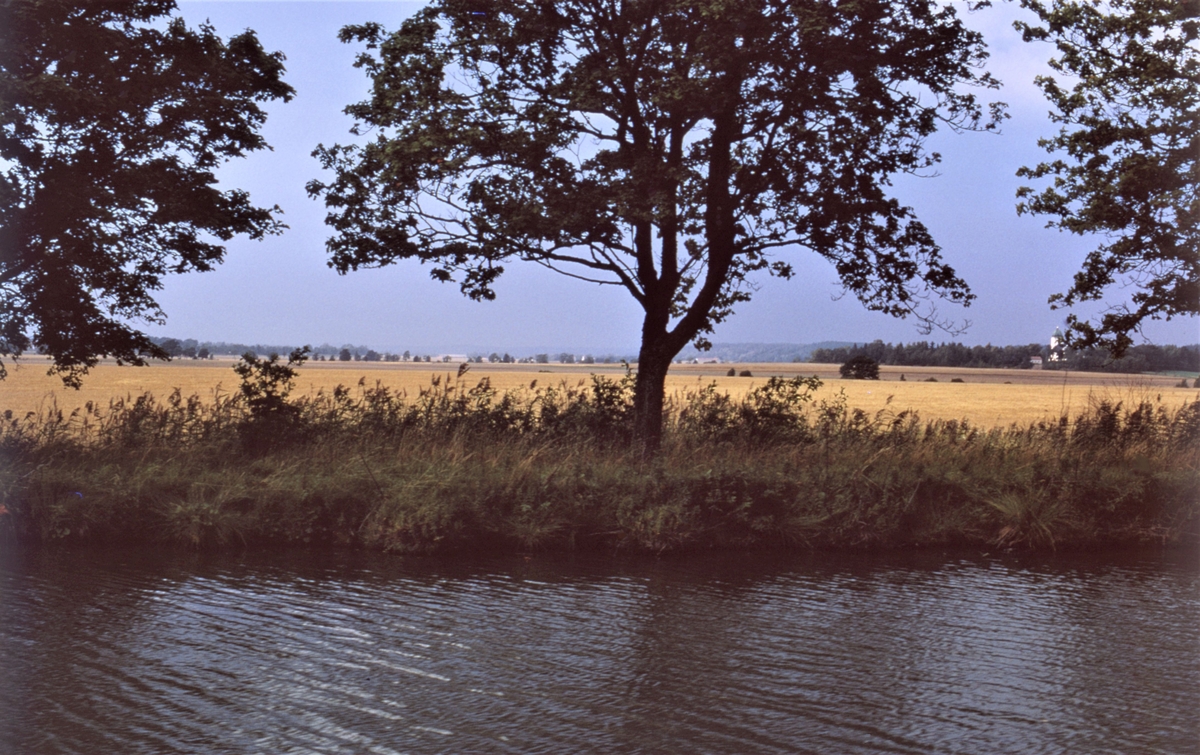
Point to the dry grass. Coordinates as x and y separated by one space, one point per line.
986 397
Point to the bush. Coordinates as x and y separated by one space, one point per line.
860 367
732 372
745 373
266 385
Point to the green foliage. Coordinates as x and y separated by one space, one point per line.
1140 358
1130 140
928 354
266 383
673 149
860 367
113 118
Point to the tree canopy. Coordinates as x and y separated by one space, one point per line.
860 367
113 117
1129 145
670 148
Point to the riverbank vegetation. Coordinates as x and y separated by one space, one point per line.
462 466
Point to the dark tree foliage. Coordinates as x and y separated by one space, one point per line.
672 148
860 367
265 382
1129 146
113 117
1140 358
926 354
1136 359
222 347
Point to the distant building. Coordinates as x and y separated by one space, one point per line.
706 360
1035 363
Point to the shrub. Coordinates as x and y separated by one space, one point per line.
266 385
745 373
860 367
732 372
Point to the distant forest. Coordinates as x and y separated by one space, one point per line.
1144 358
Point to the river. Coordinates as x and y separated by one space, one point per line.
344 652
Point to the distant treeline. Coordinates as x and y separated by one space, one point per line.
192 349
1143 358
759 352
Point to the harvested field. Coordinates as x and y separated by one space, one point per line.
986 397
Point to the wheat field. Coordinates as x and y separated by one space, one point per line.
986 397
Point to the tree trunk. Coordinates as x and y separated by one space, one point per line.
654 359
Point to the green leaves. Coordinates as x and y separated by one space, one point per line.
1130 141
675 149
587 137
111 124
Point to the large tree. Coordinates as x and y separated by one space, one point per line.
113 117
1129 169
670 147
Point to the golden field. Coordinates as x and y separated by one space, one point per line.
987 397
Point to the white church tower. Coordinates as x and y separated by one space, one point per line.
1058 345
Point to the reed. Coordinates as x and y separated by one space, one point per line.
460 466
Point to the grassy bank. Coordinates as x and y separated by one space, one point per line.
461 466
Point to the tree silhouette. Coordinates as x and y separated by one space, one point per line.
1130 137
113 117
670 148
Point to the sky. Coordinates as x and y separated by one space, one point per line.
281 291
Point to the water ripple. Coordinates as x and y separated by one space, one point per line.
362 653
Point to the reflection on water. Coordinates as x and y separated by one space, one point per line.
355 653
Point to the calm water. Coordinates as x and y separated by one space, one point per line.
353 653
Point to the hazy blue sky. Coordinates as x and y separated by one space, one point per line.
281 291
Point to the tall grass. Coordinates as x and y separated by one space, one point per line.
461 466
